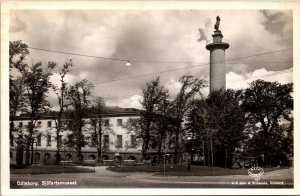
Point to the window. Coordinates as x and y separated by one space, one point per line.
47 158
39 123
48 140
39 139
119 122
49 123
106 141
37 156
20 124
119 141
106 122
92 157
69 157
133 141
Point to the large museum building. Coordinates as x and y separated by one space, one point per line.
117 141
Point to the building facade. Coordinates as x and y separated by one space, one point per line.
117 142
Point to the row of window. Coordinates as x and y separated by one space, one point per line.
39 139
49 123
39 123
119 142
106 141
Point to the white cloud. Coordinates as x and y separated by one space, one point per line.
237 81
131 102
173 86
157 35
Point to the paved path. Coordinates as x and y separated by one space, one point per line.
103 178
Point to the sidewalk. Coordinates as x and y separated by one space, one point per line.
278 175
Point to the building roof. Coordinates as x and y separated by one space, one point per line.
108 112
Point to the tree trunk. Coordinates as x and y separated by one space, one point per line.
203 152
32 154
160 156
225 157
19 157
30 139
212 154
99 147
146 139
176 145
192 156
79 158
11 129
208 155
57 158
265 146
143 150
81 137
147 136
27 154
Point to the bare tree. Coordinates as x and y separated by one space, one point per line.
61 93
97 110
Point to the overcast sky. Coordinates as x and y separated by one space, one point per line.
157 35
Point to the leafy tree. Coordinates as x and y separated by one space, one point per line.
164 123
61 93
152 95
78 96
190 87
37 83
17 54
97 110
266 104
195 126
134 127
225 122
16 102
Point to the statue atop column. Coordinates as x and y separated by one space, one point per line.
217 23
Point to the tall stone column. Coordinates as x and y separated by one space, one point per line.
217 61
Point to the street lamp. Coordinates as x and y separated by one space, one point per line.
128 64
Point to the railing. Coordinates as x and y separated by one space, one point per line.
212 41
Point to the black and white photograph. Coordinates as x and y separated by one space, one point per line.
149 99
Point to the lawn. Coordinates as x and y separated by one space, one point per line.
50 169
180 170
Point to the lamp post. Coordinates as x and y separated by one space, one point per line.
164 156
35 142
203 151
190 139
64 150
